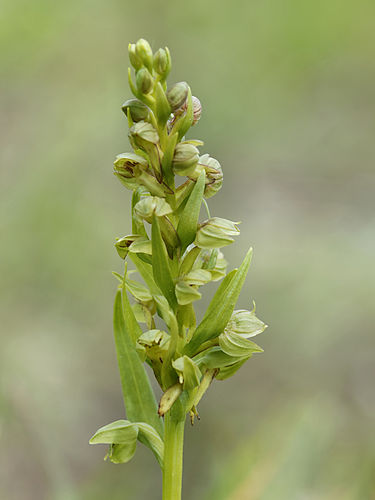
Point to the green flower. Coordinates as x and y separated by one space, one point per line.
185 159
216 233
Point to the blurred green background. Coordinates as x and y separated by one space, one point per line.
287 88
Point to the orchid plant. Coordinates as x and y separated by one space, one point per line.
175 254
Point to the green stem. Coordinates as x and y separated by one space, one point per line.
174 422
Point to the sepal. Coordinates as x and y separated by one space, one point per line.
189 374
137 109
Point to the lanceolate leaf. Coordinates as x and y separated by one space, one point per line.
132 326
145 270
160 264
187 226
139 398
221 307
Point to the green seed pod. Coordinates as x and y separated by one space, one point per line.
142 134
135 61
144 80
216 233
144 52
160 62
168 398
185 159
177 95
150 205
138 110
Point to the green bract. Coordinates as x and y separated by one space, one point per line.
175 254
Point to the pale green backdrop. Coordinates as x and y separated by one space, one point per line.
287 88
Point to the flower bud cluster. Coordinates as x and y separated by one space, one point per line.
175 252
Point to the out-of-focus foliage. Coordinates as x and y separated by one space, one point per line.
293 131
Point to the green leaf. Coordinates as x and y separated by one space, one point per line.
139 291
165 312
166 164
145 270
160 264
221 307
187 226
163 109
139 398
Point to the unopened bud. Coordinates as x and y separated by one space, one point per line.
177 95
150 205
160 62
138 110
197 109
185 159
142 134
144 80
135 61
144 52
216 233
214 174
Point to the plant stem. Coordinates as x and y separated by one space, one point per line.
174 422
